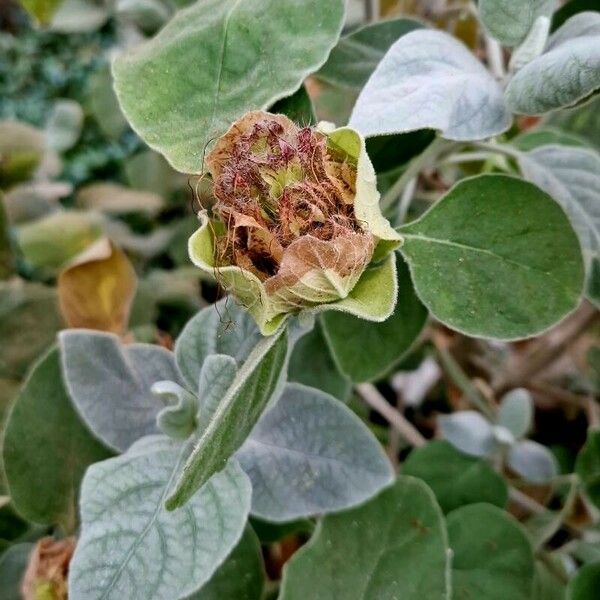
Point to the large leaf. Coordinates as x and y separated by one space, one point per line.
356 55
393 546
588 466
421 68
110 384
572 177
207 67
46 448
309 454
496 257
241 576
222 328
234 418
456 479
366 351
492 556
132 547
566 73
509 21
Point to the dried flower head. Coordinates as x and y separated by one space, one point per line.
296 220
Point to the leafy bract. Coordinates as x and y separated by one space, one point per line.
366 351
357 54
207 67
572 177
393 546
234 418
46 448
132 547
509 21
566 73
310 454
456 479
110 384
496 257
492 556
429 80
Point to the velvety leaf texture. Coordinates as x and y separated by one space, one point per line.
132 547
309 454
496 257
214 61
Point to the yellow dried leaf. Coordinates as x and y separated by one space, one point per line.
97 289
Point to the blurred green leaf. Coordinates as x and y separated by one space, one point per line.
587 466
41 10
585 584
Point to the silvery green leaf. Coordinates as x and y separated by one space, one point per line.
516 412
178 418
310 454
532 461
566 73
572 177
217 374
63 127
110 384
223 328
533 45
503 435
429 80
509 21
468 431
132 547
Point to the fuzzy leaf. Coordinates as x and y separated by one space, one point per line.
207 67
516 412
177 419
532 461
309 454
46 448
566 73
422 67
132 547
496 257
509 21
234 419
468 431
398 539
110 384
492 556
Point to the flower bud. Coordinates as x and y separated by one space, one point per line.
296 220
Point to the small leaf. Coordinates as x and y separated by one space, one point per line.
367 351
496 257
585 584
97 290
572 177
492 557
311 363
47 448
532 461
222 328
533 45
420 68
587 466
238 412
356 55
395 545
516 412
178 419
240 577
456 479
509 21
309 454
468 431
131 547
207 67
110 384
566 73
64 125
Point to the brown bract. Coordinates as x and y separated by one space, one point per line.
286 199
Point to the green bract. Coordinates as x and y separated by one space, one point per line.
309 211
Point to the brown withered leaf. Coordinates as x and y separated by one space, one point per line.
47 571
97 289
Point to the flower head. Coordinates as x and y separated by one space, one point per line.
296 220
